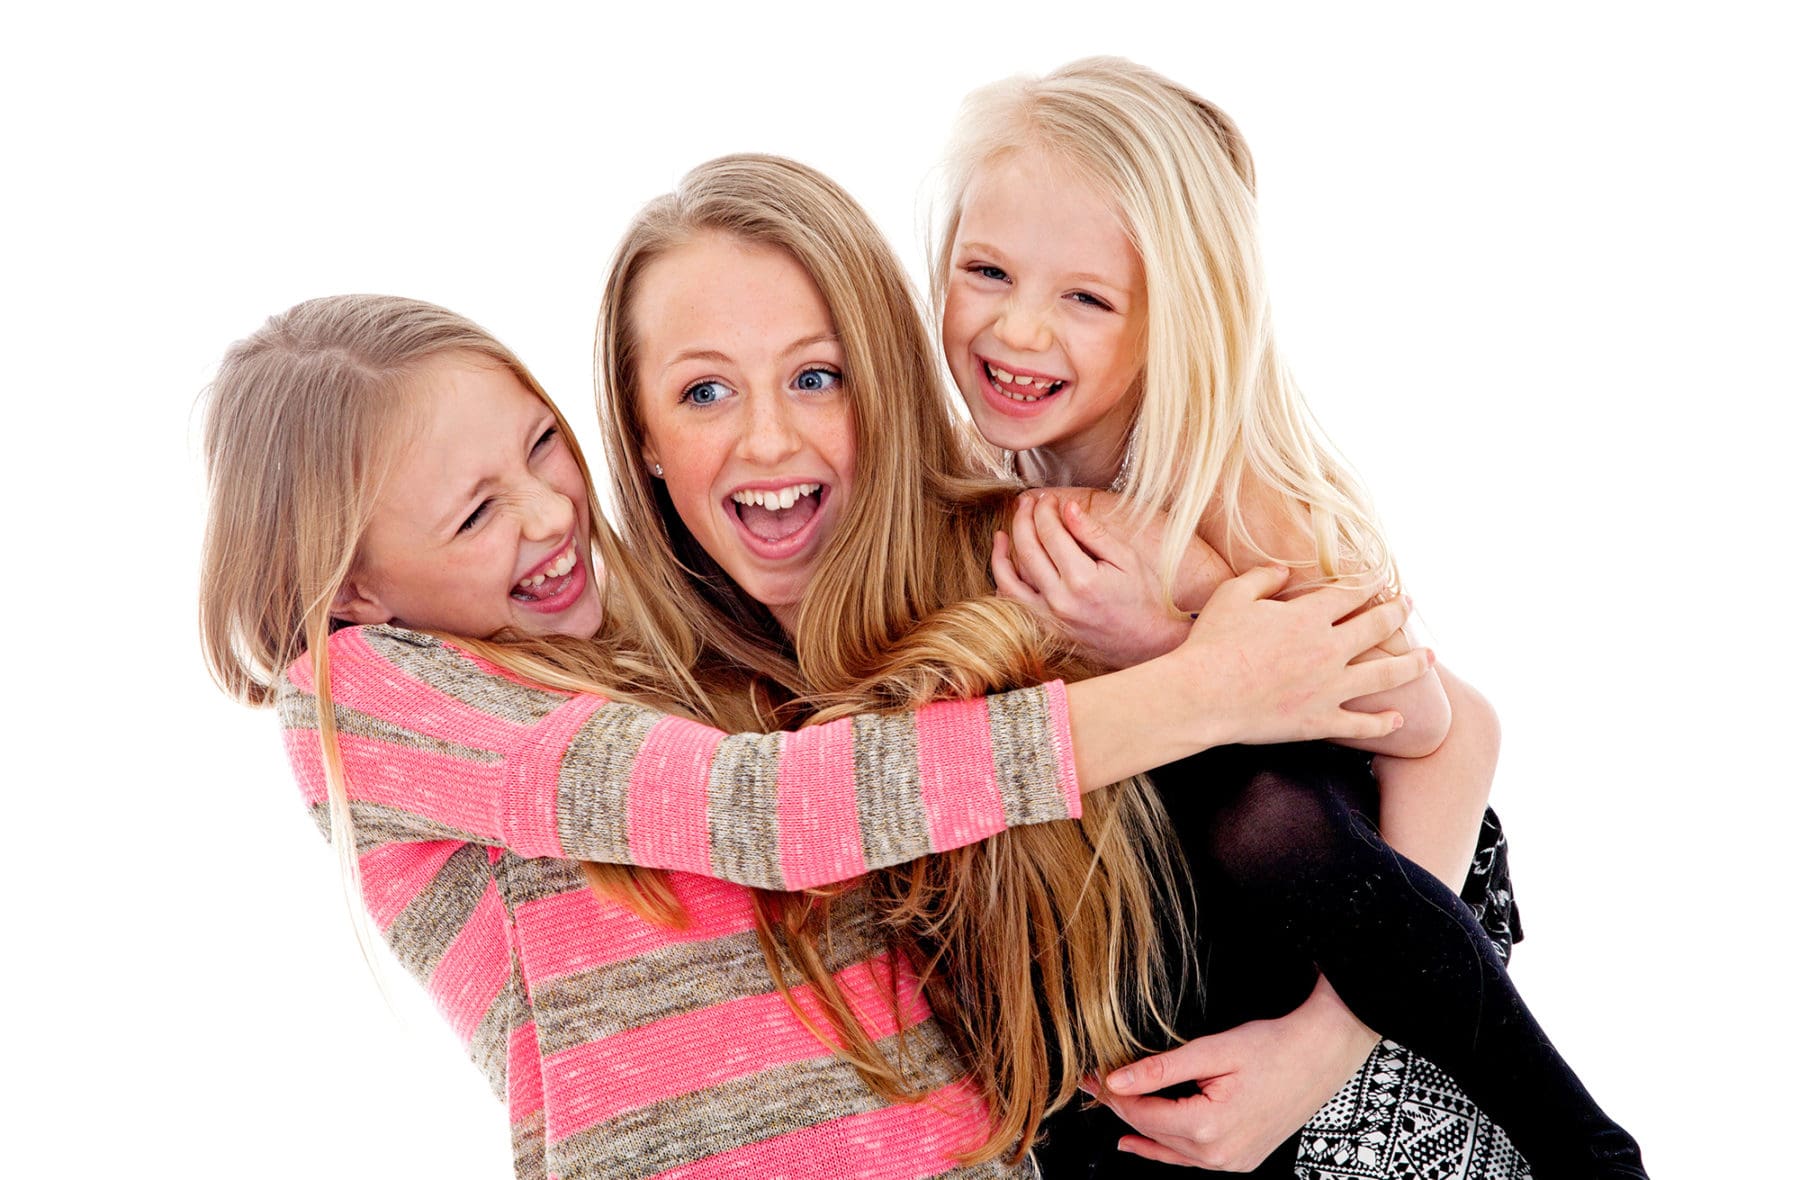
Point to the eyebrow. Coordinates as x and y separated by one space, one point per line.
478 490
717 357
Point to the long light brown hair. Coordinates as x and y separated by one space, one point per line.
1219 412
302 421
1039 946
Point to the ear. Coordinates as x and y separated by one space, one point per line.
356 603
650 461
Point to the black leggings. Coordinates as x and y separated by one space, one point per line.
1293 879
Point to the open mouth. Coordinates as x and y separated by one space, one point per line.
1021 387
552 582
774 515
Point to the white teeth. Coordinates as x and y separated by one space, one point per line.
775 500
1020 382
555 569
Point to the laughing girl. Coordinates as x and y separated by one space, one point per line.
1105 319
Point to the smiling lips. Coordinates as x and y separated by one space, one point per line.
555 586
1019 390
774 517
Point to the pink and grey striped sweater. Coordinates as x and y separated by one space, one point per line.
623 1048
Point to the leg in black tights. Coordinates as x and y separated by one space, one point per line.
1292 874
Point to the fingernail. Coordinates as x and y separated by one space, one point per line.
1398 721
1430 657
1120 1078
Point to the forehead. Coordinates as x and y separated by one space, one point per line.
723 293
464 412
1031 199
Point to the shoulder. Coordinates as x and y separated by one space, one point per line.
387 660
1260 524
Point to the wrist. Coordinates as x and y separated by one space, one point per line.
1335 1027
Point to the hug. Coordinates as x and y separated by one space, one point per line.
843 804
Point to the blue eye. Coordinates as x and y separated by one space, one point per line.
1087 300
703 393
987 272
817 380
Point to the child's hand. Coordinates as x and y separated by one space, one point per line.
1095 581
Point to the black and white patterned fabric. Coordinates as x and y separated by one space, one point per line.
1403 1118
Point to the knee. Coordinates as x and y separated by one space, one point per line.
1279 829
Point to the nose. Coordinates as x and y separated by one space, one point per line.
769 431
545 514
1022 325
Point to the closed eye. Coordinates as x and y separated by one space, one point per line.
545 439
475 516
1088 299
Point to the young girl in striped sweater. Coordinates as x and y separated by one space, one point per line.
405 559
1105 319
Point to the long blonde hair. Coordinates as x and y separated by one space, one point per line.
1219 410
1056 920
301 424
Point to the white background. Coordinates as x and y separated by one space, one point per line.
1535 267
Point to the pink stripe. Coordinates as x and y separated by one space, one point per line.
821 835
901 1142
394 874
300 672
1056 698
532 771
956 774
524 1073
455 791
475 967
666 812
589 1083
575 931
363 679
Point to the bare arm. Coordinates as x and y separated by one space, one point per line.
1431 807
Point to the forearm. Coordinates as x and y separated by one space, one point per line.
1131 721
1424 703
450 749
1340 1040
1431 807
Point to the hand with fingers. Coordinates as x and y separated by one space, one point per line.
1259 1083
1072 557
1273 670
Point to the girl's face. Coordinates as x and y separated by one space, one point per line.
483 521
739 386
1044 314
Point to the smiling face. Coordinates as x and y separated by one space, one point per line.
1044 318
739 387
483 522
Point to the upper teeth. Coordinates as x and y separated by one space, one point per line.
1002 377
785 498
555 569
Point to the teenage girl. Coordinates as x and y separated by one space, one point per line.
1104 317
404 558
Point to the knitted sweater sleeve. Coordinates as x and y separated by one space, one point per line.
438 745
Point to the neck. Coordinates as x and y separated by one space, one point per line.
1093 461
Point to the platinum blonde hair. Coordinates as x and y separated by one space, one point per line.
1219 412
